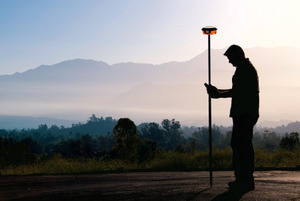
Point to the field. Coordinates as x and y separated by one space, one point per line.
164 161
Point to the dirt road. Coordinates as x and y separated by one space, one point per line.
148 186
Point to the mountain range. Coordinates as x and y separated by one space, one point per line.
75 89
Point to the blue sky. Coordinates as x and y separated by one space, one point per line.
35 32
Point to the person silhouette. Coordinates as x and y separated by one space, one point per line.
244 112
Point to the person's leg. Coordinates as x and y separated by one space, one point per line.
245 148
243 153
234 146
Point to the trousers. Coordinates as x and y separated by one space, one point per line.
242 147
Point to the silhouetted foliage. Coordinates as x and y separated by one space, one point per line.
94 126
34 146
219 139
153 132
123 141
15 153
146 150
106 143
290 142
126 139
173 133
179 149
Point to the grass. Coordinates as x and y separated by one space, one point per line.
165 161
59 165
277 159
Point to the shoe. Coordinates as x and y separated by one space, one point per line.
241 187
230 184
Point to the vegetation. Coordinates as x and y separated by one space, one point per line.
85 148
126 139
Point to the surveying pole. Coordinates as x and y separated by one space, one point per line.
209 30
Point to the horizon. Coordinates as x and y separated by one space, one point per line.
113 92
34 121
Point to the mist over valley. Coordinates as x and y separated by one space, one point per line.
75 89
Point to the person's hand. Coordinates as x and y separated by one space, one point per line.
212 91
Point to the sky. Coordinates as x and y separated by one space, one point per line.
35 32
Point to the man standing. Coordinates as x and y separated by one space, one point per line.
244 113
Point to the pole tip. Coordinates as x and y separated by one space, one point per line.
209 30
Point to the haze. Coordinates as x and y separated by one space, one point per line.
152 32
77 88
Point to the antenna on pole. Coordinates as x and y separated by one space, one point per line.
209 30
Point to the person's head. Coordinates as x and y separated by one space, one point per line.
235 55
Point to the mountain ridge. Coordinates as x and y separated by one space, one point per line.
147 92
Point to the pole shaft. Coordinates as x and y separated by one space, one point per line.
209 71
209 117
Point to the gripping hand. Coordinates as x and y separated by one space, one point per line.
212 91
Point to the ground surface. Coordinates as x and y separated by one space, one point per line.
146 186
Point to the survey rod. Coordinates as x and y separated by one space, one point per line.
209 30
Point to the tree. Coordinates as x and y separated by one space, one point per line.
126 139
271 140
219 139
146 150
152 132
192 147
173 133
15 153
87 145
93 119
35 147
201 138
72 147
290 142
43 129
105 143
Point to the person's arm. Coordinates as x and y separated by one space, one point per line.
225 93
214 92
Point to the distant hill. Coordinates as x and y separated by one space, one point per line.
76 88
22 122
289 128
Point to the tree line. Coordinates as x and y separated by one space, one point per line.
108 138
